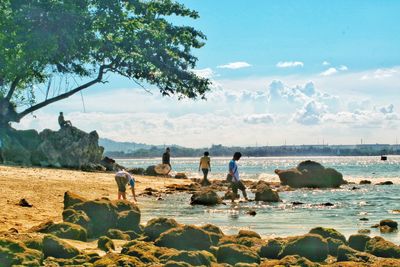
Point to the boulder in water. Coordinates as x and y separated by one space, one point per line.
206 197
310 174
266 194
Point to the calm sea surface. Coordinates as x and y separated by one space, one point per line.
282 219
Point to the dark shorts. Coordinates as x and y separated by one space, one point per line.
121 182
237 186
205 172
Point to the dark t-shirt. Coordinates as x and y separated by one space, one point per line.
166 158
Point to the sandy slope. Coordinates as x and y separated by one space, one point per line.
44 188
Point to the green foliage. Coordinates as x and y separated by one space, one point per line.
42 39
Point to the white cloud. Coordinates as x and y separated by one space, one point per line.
343 68
205 73
312 113
259 119
381 74
289 64
235 65
329 72
326 63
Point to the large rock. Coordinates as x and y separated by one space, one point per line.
272 249
71 199
64 230
382 248
68 147
358 241
55 247
234 253
310 174
187 237
155 227
345 253
310 246
293 260
206 197
194 258
266 194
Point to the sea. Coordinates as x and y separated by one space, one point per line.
355 207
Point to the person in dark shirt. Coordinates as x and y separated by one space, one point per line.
62 122
166 157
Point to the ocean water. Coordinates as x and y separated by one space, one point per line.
371 203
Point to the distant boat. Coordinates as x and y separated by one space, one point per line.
383 157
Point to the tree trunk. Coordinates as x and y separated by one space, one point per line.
7 113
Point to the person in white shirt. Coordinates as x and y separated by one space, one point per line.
122 178
234 174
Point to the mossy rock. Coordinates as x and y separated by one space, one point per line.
195 258
129 220
233 253
57 248
117 234
177 264
125 205
115 260
206 197
62 230
105 243
78 217
382 248
292 260
310 246
266 194
212 229
71 199
13 253
271 249
358 241
34 242
80 260
345 253
187 237
333 245
248 233
328 232
155 227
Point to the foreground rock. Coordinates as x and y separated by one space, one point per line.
68 147
310 174
187 237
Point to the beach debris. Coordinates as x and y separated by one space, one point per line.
205 197
265 193
364 231
251 212
310 174
365 182
358 241
385 183
24 203
355 188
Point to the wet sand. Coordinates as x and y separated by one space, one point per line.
44 188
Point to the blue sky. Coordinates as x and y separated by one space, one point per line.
294 71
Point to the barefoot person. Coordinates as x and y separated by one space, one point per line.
205 166
123 178
234 173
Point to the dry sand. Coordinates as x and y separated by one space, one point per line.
44 188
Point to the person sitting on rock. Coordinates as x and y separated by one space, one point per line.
62 122
122 178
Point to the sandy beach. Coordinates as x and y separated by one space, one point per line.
44 188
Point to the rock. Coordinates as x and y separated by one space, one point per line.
382 248
248 233
333 245
93 167
205 197
105 243
111 260
129 220
293 260
251 212
117 234
55 247
34 242
310 246
15 253
181 175
272 249
194 258
214 231
146 252
296 203
138 171
392 225
233 253
364 231
365 182
177 264
71 199
187 237
150 170
385 183
64 230
327 204
76 217
364 219
266 194
358 241
155 227
310 174
24 203
346 253
328 232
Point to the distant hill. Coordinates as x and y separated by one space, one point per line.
127 147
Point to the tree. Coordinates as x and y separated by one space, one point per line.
52 49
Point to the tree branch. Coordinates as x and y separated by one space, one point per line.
63 96
12 88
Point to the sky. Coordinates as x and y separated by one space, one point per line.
283 72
